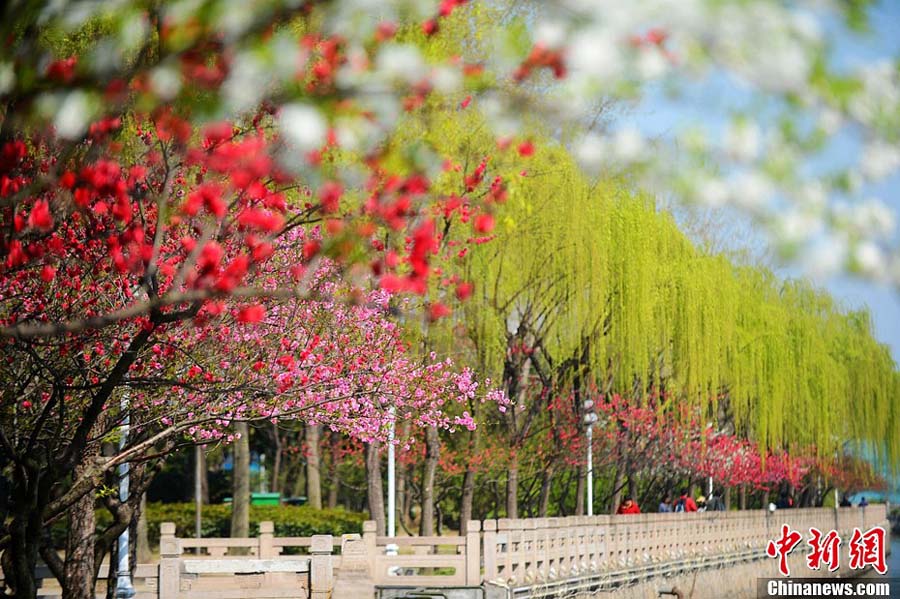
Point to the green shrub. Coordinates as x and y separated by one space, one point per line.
290 521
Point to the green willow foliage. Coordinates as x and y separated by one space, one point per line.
600 273
607 282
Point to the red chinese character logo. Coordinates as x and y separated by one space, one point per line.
783 546
868 550
824 549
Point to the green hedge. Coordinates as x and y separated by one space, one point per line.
290 521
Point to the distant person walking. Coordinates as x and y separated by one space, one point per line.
629 506
665 506
786 502
845 502
863 502
685 503
715 504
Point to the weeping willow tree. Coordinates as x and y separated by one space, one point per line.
606 293
587 286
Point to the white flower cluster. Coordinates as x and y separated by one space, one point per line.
772 101
776 111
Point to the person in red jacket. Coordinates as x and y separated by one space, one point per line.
685 503
629 506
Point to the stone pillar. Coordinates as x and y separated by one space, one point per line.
504 527
321 567
473 553
354 578
266 549
169 562
370 541
490 549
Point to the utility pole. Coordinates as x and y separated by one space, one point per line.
124 588
590 417
392 548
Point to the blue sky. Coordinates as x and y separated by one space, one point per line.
660 116
883 41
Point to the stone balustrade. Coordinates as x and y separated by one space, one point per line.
534 551
550 554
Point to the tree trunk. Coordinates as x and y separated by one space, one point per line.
240 498
743 499
79 563
373 485
546 482
143 540
618 487
465 501
580 490
277 487
204 476
726 499
111 572
407 513
313 468
467 493
432 453
299 486
402 503
512 487
20 558
334 479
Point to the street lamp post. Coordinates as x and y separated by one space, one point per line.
391 548
124 588
590 417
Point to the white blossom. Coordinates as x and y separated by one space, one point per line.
446 80
712 192
830 121
401 62
871 259
796 226
7 77
651 64
742 140
248 81
873 217
551 34
879 160
591 152
629 145
595 53
302 126
165 81
73 115
751 190
826 257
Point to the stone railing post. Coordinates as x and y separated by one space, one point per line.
539 548
266 533
473 552
169 562
370 541
489 547
510 568
321 567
